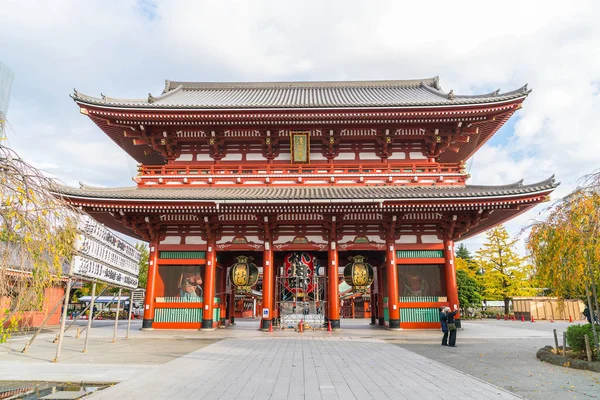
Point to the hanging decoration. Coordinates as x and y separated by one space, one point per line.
358 274
299 270
244 274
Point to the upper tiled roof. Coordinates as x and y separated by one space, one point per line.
287 95
264 194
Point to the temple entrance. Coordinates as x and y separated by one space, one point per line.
300 288
358 286
244 293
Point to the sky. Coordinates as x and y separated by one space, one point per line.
128 48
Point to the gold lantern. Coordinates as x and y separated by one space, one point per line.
243 274
358 274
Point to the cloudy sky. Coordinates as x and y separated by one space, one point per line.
128 48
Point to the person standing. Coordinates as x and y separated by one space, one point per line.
444 322
451 326
588 314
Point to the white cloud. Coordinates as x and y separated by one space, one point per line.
128 48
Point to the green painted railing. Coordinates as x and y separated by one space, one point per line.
419 254
178 315
419 315
419 299
182 254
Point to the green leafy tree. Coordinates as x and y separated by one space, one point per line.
464 253
506 275
470 264
468 291
144 254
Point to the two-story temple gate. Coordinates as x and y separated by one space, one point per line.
262 170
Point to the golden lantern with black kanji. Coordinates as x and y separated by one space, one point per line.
243 274
358 274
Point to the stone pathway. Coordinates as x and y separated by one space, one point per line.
303 368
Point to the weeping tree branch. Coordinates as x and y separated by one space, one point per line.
37 231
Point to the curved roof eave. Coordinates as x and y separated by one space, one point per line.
169 195
244 96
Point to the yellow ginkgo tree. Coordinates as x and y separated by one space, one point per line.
505 272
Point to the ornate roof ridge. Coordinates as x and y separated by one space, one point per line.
171 85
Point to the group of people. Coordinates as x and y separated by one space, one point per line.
448 326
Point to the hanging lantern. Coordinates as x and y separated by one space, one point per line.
243 274
299 270
358 274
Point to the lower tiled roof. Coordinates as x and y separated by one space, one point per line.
299 193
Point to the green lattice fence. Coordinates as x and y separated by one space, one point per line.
419 254
187 255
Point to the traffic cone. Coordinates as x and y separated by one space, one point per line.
522 318
271 326
328 326
260 324
551 320
532 319
570 318
301 327
498 317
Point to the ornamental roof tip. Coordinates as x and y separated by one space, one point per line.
315 94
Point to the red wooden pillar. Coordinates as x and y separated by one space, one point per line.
232 305
152 271
333 286
372 303
275 313
392 281
223 295
209 286
380 318
450 272
267 287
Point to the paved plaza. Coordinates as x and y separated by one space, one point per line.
494 359
304 368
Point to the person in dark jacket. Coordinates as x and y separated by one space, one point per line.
451 326
444 322
588 314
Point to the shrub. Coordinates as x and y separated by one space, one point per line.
488 314
575 337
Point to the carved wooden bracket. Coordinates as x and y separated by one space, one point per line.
217 146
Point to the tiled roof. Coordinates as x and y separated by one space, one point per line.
264 95
291 194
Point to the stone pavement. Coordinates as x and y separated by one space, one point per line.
303 368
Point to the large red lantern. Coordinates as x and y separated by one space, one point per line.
298 271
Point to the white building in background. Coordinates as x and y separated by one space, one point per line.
6 80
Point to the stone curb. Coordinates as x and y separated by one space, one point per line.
545 354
